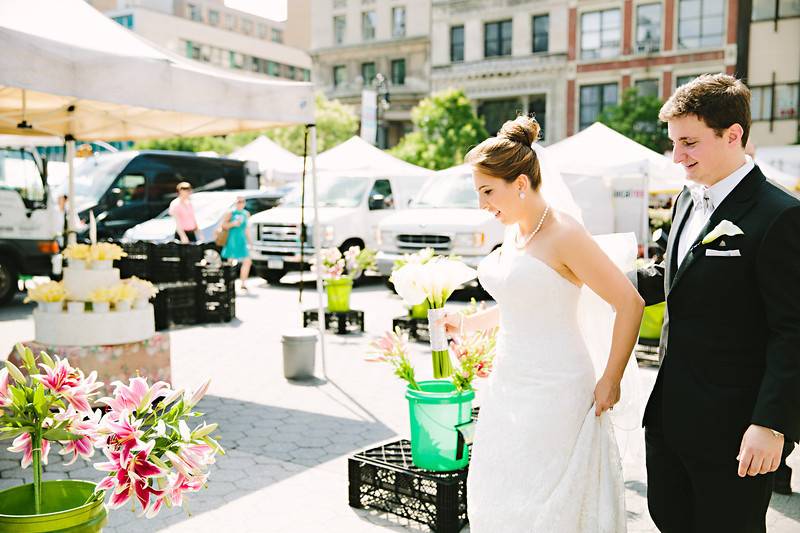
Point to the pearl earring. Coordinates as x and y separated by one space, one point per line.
521 195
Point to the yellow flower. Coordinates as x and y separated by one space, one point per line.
106 251
78 251
51 291
122 292
103 294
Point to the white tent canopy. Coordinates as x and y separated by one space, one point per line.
68 69
357 155
600 151
275 162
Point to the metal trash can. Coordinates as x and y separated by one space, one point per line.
299 350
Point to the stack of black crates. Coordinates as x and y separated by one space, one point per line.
194 285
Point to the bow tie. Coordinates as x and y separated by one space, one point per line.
702 199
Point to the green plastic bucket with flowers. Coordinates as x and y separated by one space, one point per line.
434 412
338 291
652 320
67 506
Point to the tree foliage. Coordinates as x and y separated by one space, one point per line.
636 117
446 127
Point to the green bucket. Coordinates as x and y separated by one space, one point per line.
419 310
652 320
339 294
434 411
63 508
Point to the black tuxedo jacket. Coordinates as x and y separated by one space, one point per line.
730 344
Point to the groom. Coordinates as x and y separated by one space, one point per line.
727 394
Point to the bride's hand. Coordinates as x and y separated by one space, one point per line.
606 394
451 322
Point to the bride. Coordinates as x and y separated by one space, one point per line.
544 458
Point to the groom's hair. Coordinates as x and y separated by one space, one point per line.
719 100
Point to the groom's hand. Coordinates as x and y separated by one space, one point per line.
760 451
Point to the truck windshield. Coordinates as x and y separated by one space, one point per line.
333 192
95 175
20 172
455 190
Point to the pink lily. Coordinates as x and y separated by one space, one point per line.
131 478
87 428
5 396
177 485
191 459
70 383
125 434
24 444
132 397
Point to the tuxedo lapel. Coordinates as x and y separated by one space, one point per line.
732 208
684 202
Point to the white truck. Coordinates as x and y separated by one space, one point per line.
444 216
350 208
29 220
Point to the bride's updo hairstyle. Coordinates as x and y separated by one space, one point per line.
509 154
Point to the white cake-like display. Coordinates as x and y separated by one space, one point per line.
119 324
81 282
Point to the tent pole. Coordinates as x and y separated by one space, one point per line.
317 254
646 216
71 213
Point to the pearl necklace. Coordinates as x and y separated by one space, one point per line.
533 233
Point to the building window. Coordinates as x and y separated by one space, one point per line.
647 87
368 73
701 23
595 98
235 60
778 103
398 21
194 12
775 9
648 28
192 50
230 21
247 26
456 44
277 35
306 75
339 3
263 30
683 80
600 34
124 20
292 72
496 112
368 25
339 27
398 71
541 33
538 106
273 68
213 17
339 75
497 38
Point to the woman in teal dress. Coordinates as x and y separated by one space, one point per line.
236 247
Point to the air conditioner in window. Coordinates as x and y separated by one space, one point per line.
648 47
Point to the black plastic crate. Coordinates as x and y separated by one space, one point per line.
385 478
216 312
339 322
175 304
417 328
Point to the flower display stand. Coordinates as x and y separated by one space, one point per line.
417 328
384 478
339 322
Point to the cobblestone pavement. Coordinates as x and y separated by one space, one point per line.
287 442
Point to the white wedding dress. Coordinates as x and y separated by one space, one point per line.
541 461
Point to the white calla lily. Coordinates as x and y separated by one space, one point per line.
726 228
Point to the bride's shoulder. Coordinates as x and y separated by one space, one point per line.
566 224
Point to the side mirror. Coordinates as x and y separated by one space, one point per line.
376 201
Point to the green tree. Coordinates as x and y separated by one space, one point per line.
335 124
636 117
446 127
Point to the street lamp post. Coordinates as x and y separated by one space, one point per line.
383 104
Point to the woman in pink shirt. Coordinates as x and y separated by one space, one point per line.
182 211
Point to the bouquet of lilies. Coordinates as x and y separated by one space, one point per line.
434 281
420 257
475 354
351 264
50 291
152 454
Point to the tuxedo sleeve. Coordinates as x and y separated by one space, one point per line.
778 274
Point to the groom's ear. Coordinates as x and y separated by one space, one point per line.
734 133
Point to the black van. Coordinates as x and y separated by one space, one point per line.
126 188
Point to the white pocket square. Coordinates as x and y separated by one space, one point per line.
723 253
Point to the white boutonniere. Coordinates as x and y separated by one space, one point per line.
726 227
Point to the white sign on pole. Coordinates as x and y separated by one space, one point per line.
369 116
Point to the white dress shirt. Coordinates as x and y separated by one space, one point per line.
699 217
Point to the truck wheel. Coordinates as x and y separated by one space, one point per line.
8 280
272 276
